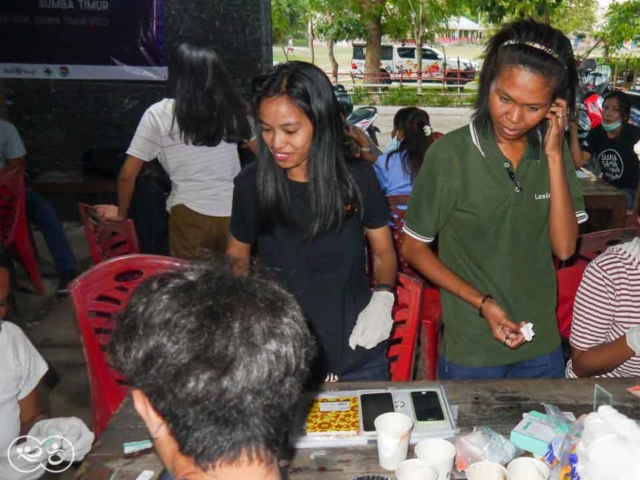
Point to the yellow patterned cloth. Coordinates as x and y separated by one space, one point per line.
334 416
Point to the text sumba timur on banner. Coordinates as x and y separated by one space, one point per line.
83 39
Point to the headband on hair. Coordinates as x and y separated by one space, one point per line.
535 45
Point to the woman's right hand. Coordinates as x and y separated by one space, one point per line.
109 212
502 328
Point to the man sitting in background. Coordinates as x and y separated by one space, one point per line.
217 364
39 210
605 331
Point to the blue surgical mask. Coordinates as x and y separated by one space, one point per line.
393 145
609 127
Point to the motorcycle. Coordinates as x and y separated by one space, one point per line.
594 85
362 117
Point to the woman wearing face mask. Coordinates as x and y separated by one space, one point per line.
612 144
502 196
397 169
307 210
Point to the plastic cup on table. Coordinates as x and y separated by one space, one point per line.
486 470
439 453
527 468
394 432
416 469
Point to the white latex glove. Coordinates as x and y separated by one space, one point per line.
80 438
633 339
374 322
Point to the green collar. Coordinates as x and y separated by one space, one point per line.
488 147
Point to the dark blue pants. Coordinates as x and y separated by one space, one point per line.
550 365
377 370
40 212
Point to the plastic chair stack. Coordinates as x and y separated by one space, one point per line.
431 311
98 296
404 334
107 239
14 229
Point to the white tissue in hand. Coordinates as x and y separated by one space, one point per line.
71 428
527 331
636 149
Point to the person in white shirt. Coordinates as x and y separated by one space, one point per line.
195 137
21 369
605 330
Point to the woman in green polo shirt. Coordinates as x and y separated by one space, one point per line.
503 197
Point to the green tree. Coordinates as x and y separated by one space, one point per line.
287 16
498 11
622 23
575 16
425 19
336 22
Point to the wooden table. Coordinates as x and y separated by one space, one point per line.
605 204
495 403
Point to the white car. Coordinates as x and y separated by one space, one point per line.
401 60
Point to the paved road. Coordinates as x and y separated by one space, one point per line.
443 119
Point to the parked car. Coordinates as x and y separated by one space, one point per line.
402 60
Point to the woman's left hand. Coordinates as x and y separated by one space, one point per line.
554 138
374 322
357 135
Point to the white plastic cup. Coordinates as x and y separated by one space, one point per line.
416 469
486 470
527 468
394 432
439 453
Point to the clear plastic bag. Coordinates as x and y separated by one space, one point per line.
483 444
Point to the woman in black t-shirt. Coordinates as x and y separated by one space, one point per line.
612 144
306 209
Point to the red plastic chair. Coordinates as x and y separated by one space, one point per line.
398 207
98 295
14 229
431 330
107 239
404 335
590 245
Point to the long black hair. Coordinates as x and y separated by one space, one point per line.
414 145
535 46
331 186
208 109
624 104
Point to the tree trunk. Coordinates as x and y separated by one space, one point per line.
311 37
332 59
374 41
284 50
419 36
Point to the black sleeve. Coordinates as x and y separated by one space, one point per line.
244 218
375 212
586 144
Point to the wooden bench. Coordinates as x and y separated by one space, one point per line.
605 204
73 182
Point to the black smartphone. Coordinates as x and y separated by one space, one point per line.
426 406
373 405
